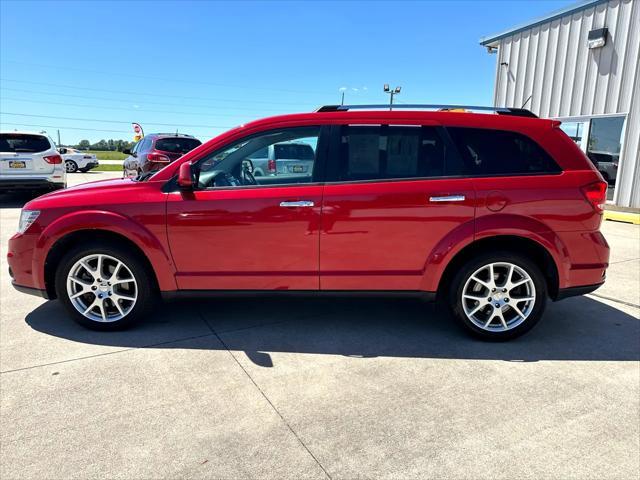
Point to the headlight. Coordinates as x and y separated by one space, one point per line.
27 217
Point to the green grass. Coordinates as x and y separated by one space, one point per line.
108 155
107 168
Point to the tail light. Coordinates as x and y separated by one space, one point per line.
53 159
271 166
158 157
596 194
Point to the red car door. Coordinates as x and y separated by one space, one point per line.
231 235
388 204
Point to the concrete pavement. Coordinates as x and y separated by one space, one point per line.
317 388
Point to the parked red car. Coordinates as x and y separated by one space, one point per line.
492 213
156 150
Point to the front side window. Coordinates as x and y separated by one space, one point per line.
277 157
500 152
390 152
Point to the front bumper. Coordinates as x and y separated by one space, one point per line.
31 291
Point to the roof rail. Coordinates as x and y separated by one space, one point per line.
519 112
174 134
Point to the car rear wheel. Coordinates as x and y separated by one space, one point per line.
104 287
498 296
70 166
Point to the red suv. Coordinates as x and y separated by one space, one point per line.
492 213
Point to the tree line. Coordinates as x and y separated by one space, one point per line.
110 145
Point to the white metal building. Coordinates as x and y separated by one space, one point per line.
580 65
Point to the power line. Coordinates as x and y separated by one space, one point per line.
69 128
113 121
180 80
130 110
126 92
128 101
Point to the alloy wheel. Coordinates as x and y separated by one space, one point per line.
70 166
102 288
498 296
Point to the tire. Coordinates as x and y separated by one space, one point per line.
70 166
483 304
133 281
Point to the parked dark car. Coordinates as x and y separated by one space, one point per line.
157 150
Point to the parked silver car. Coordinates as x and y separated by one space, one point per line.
283 159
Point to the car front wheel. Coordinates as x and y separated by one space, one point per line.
498 296
104 287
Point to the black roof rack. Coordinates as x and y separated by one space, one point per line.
518 112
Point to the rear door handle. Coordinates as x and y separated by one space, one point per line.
300 203
448 198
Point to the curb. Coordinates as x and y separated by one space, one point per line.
626 217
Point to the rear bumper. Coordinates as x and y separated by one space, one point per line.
587 259
30 184
575 291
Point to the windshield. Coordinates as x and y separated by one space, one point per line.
20 142
180 145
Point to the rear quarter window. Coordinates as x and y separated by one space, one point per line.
18 142
500 152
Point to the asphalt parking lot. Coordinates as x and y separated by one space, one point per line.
317 388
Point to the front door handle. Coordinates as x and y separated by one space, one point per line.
448 198
300 203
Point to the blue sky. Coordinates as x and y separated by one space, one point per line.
203 67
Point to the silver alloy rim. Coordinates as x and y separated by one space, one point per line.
498 297
69 167
102 288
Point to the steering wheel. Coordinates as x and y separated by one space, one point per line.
247 177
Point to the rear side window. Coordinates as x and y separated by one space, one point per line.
177 145
17 142
499 152
390 152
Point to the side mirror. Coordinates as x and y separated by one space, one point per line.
62 151
185 177
126 151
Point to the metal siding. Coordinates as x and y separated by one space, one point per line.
551 62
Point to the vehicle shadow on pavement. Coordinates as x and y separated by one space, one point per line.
579 328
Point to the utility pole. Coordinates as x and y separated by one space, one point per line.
59 138
393 92
342 101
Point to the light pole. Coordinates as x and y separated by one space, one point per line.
393 92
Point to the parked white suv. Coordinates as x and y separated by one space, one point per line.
30 161
76 160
